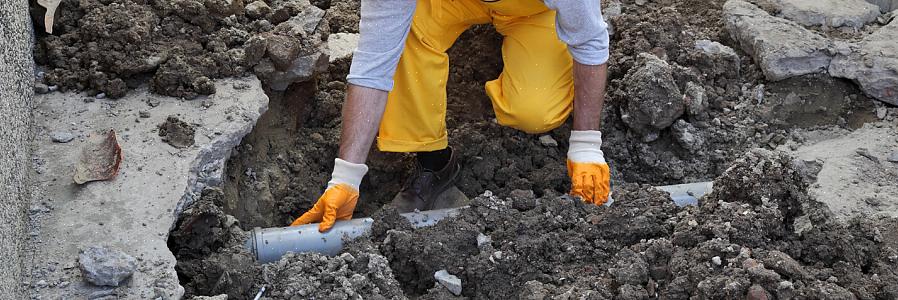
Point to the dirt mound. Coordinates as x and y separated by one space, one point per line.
179 46
759 227
758 233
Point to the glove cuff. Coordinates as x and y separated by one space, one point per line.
586 147
347 173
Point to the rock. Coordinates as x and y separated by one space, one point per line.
829 13
687 136
295 48
548 141
655 101
257 10
756 292
717 59
61 137
874 66
218 297
484 241
103 266
101 96
40 88
41 284
341 45
780 47
716 261
885 5
451 282
893 157
143 114
696 102
785 290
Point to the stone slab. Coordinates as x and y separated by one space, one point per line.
873 64
781 48
135 211
829 13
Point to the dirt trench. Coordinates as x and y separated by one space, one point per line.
780 242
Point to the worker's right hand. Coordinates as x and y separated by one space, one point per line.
336 204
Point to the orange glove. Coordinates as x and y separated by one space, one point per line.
590 181
339 199
337 204
590 175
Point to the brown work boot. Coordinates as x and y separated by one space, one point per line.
422 189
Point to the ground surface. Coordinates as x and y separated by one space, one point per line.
684 104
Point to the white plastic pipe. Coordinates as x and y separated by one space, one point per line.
269 244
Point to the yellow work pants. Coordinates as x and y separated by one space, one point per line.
534 93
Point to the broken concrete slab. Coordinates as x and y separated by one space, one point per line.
135 211
829 13
851 183
780 47
873 65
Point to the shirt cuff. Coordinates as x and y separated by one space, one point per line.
589 55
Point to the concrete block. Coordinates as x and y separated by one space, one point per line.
135 211
873 65
829 13
781 48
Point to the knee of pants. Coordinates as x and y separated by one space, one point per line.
536 118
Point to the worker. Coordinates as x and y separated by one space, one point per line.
554 54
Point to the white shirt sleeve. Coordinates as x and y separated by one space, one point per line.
580 25
383 28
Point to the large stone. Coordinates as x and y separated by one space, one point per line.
873 65
295 48
782 48
104 266
829 13
655 101
717 59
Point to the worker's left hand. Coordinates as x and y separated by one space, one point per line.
590 175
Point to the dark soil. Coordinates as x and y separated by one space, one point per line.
282 167
179 46
768 236
177 133
758 232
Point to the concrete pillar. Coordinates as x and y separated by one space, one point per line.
16 93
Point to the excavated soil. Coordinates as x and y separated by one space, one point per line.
177 46
282 167
758 233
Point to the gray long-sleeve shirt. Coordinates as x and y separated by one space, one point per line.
385 25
